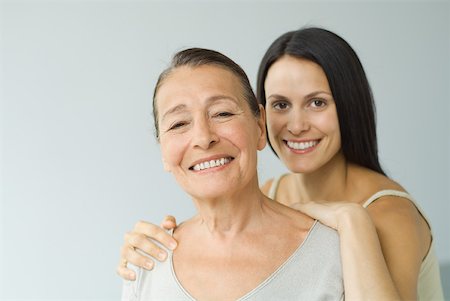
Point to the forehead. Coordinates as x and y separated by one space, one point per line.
295 72
197 83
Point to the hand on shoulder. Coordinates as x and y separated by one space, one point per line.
335 214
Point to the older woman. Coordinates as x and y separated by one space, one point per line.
240 245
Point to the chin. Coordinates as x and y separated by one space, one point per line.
304 169
206 193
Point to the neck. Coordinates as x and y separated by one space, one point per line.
328 183
232 213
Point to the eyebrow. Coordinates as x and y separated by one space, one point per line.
317 93
173 110
182 107
310 95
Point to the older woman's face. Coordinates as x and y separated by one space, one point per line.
302 121
209 137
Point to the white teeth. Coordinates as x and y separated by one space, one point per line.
211 164
302 145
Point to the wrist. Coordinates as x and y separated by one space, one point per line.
354 217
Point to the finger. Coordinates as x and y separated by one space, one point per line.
156 233
314 210
133 256
169 222
145 246
125 272
327 215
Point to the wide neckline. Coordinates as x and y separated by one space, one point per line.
260 285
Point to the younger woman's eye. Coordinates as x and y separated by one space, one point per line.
280 105
318 103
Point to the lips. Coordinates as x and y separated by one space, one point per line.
211 163
302 146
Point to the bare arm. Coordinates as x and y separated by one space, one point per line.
366 275
405 240
138 239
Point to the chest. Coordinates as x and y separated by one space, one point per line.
227 275
311 273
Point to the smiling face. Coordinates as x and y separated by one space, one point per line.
209 137
302 121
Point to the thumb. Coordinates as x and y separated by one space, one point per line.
169 222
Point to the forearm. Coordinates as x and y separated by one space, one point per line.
366 276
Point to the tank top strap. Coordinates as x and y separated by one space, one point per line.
387 192
274 187
396 193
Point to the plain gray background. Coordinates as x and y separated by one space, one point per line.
78 161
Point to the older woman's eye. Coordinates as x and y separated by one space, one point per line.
177 125
223 114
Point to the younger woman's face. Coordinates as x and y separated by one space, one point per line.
302 121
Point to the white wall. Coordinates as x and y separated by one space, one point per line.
78 162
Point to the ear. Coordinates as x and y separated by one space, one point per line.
262 139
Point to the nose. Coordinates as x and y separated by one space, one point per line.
204 135
298 122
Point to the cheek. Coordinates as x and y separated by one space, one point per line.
237 136
275 126
327 120
328 123
334 123
241 134
172 152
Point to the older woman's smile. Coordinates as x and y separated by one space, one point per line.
211 163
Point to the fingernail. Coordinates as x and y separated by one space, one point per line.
131 276
172 245
162 255
148 265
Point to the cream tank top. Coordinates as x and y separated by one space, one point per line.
429 284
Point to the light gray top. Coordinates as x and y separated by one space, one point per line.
312 272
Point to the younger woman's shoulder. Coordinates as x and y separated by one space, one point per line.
387 196
274 184
391 206
265 188
373 181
